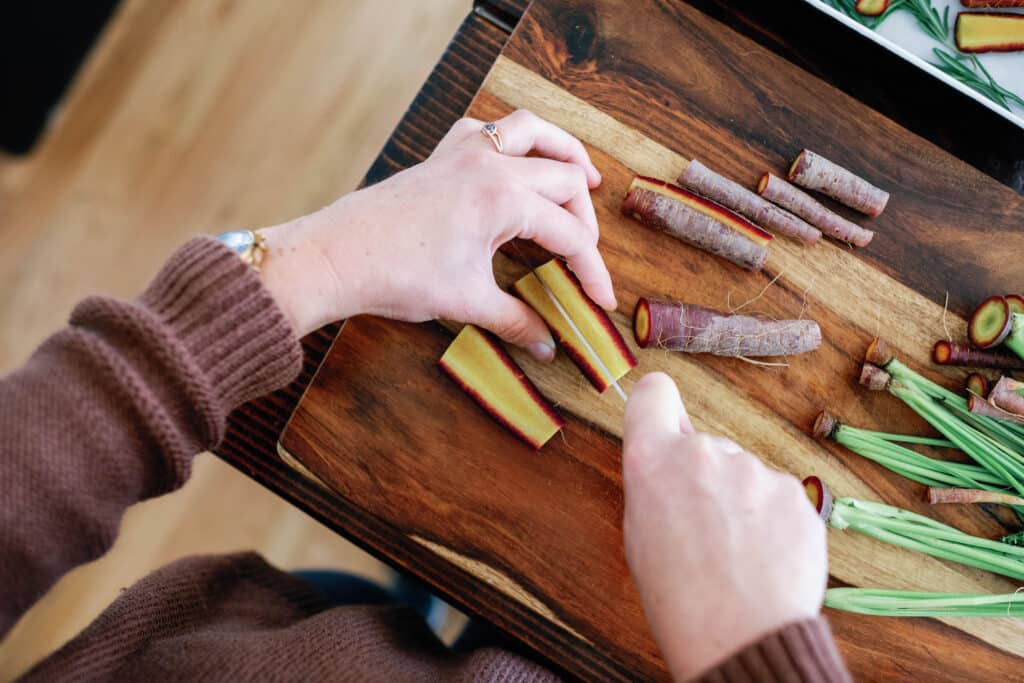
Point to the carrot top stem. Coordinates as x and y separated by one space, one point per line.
1015 340
897 603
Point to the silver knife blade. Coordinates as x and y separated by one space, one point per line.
565 315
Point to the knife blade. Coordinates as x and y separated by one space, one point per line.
565 315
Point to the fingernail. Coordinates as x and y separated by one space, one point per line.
542 351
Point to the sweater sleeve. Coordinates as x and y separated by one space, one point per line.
800 652
110 410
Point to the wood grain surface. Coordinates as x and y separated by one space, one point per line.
383 429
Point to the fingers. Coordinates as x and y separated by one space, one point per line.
523 132
561 183
560 232
654 408
513 321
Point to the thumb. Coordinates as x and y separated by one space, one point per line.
516 323
654 409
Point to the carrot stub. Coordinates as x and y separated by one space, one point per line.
989 32
790 197
677 326
697 221
990 323
819 495
976 385
483 369
815 172
728 193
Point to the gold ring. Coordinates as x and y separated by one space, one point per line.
492 132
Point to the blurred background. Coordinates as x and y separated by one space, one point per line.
134 124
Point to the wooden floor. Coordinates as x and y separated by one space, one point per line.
196 117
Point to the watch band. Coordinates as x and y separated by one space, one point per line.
250 246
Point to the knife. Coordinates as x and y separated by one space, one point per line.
598 363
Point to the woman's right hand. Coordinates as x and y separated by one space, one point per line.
724 550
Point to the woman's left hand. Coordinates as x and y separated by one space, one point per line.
419 245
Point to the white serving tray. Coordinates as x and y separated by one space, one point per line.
900 33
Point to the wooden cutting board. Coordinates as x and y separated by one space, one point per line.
535 537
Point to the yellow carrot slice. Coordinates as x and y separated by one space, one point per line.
484 370
591 321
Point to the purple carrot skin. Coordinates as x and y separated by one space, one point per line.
825 426
688 225
976 385
732 195
1006 395
874 378
980 406
815 172
938 496
788 196
677 326
953 353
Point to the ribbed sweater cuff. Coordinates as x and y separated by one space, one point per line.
801 651
228 322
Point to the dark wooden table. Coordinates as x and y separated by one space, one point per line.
787 27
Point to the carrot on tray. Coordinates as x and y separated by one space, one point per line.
871 8
989 32
697 221
815 172
976 4
683 327
732 195
788 196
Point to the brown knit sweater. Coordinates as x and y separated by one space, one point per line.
110 411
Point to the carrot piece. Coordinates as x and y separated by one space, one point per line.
1015 302
825 426
815 172
592 322
790 197
703 180
991 3
478 363
952 353
937 496
697 221
819 495
980 406
990 323
989 32
878 353
976 385
874 378
1008 395
683 327
871 8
